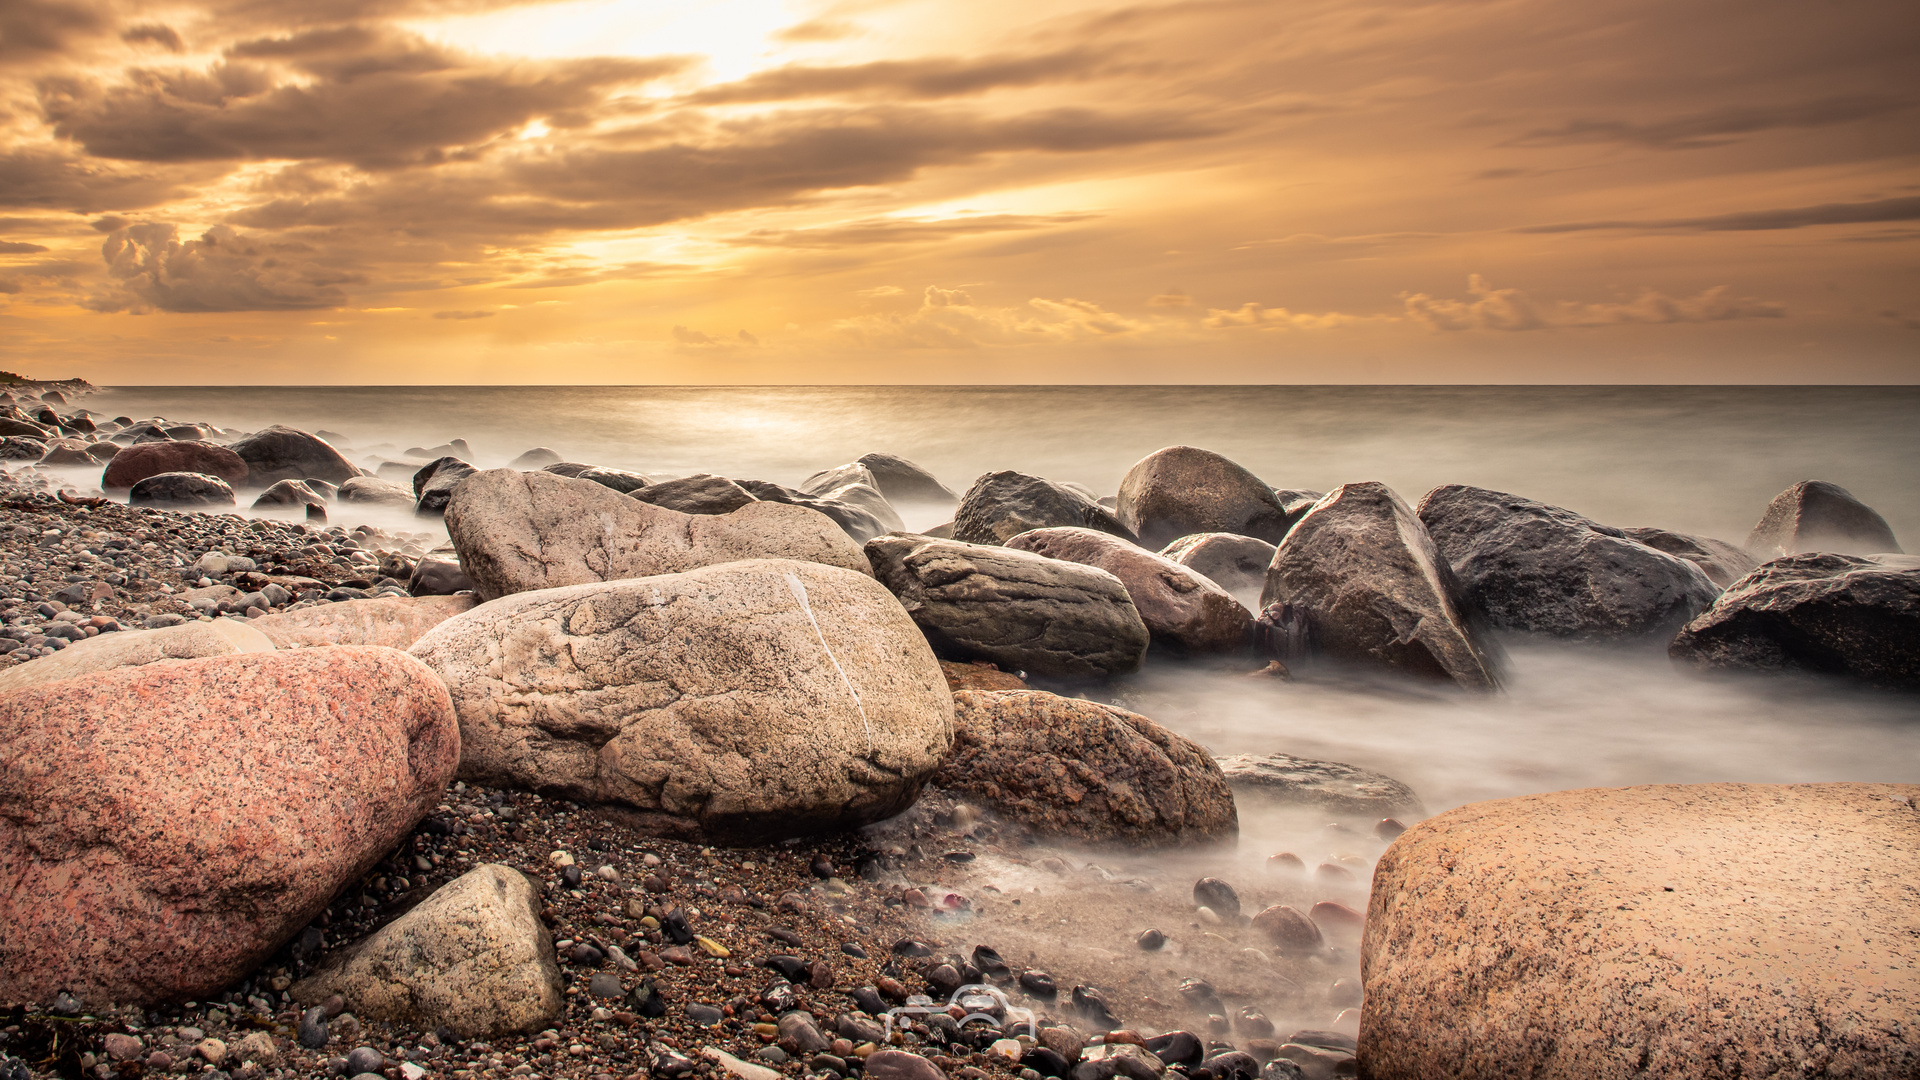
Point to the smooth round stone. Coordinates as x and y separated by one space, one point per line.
605 984
1150 939
704 1015
364 1059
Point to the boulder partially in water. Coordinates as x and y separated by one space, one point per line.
1331 786
433 485
135 463
1002 505
1814 515
289 495
902 481
1542 569
1814 613
1183 490
855 513
1723 563
1361 570
181 489
1236 563
701 493
284 453
537 458
373 491
1184 611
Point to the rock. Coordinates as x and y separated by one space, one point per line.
122 1047
286 494
66 452
373 491
433 485
537 458
1020 611
1317 1063
136 463
702 493
134 648
1732 930
1331 786
523 531
620 480
1183 490
735 1067
900 1065
979 677
256 1047
1085 771
1723 563
312 1032
856 520
21 448
438 576
866 497
1289 931
207 810
473 957
1813 613
1541 569
1184 611
901 481
390 621
704 699
569 469
365 1059
1002 505
1176 1048
15 428
800 1029
1127 1060
1236 563
284 453
181 489
1814 515
1363 572
1217 895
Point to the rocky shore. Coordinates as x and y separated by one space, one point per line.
597 774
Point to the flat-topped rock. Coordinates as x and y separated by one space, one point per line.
1814 613
1332 786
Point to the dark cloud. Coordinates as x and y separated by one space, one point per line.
913 79
31 29
1795 217
222 271
10 247
1717 127
158 33
54 180
464 314
904 230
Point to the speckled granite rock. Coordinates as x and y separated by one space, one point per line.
979 677
704 700
136 463
1814 515
473 957
1332 786
1184 611
133 648
517 532
1085 771
1183 490
389 621
164 828
1707 931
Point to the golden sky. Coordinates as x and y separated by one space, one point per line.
960 191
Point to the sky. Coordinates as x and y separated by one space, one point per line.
960 191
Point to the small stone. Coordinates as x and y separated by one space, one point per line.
744 1070
570 877
1291 931
1150 939
799 1029
1253 1023
365 1059
1207 916
1213 893
121 1047
1287 862
712 947
605 984
608 873
560 859
313 1028
586 955
822 867
1063 1041
672 1063
159 1061
911 948
646 1001
1389 829
704 1015
820 975
214 1051
66 1004
1039 984
901 1065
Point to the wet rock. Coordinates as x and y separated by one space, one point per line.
1183 490
433 485
1375 591
1233 1064
1723 563
1091 1003
181 489
766 733
135 648
620 480
1289 931
1063 1041
1814 515
699 494
1338 921
66 452
289 494
518 532
373 491
284 453
136 463
1816 613
1183 610
537 458
900 1065
433 576
902 481
1236 563
1021 611
1045 1061
1211 892
1332 786
391 621
1039 984
1542 569
1087 771
202 830
1002 505
1177 1048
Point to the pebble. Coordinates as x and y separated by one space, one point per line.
1039 984
1150 939
1211 892
364 1059
1389 829
605 984
704 1015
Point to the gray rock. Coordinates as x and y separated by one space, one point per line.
364 1059
1002 505
286 494
1184 611
1375 592
1814 515
605 984
284 453
1236 563
902 481
433 485
1542 569
22 448
517 532
473 957
1331 786
856 520
1813 613
181 489
900 1065
1723 563
620 480
569 469
374 491
705 700
800 1028
1183 490
537 458
313 1033
438 575
702 493
1020 611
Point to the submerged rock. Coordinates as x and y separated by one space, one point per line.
136 463
1183 610
1332 786
289 494
373 491
1723 563
284 453
1818 613
1002 505
182 489
1183 490
1814 515
902 481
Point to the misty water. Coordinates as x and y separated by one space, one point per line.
1698 460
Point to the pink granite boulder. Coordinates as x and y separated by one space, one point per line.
1184 610
396 622
136 463
163 829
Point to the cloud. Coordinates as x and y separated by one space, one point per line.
912 79
1172 298
1270 318
31 29
1512 309
904 230
880 291
54 180
158 33
12 247
748 338
951 319
1795 217
692 337
464 314
816 30
222 271
1715 127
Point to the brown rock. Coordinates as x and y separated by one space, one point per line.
1290 931
971 677
389 621
1236 563
67 452
136 463
1184 611
164 828
1814 515
1079 769
1183 490
1723 563
900 1065
1338 920
284 453
1705 931
134 648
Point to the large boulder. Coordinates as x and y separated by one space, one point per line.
1723 563
473 958
1085 771
902 481
701 493
1236 563
1373 591
165 828
620 480
537 458
135 463
284 453
392 621
517 532
1184 612
1703 931
433 485
1002 505
1183 490
1814 515
857 520
373 491
289 495
1541 569
181 489
21 448
66 452
1017 610
133 648
1817 613
750 701
1332 787
13 427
